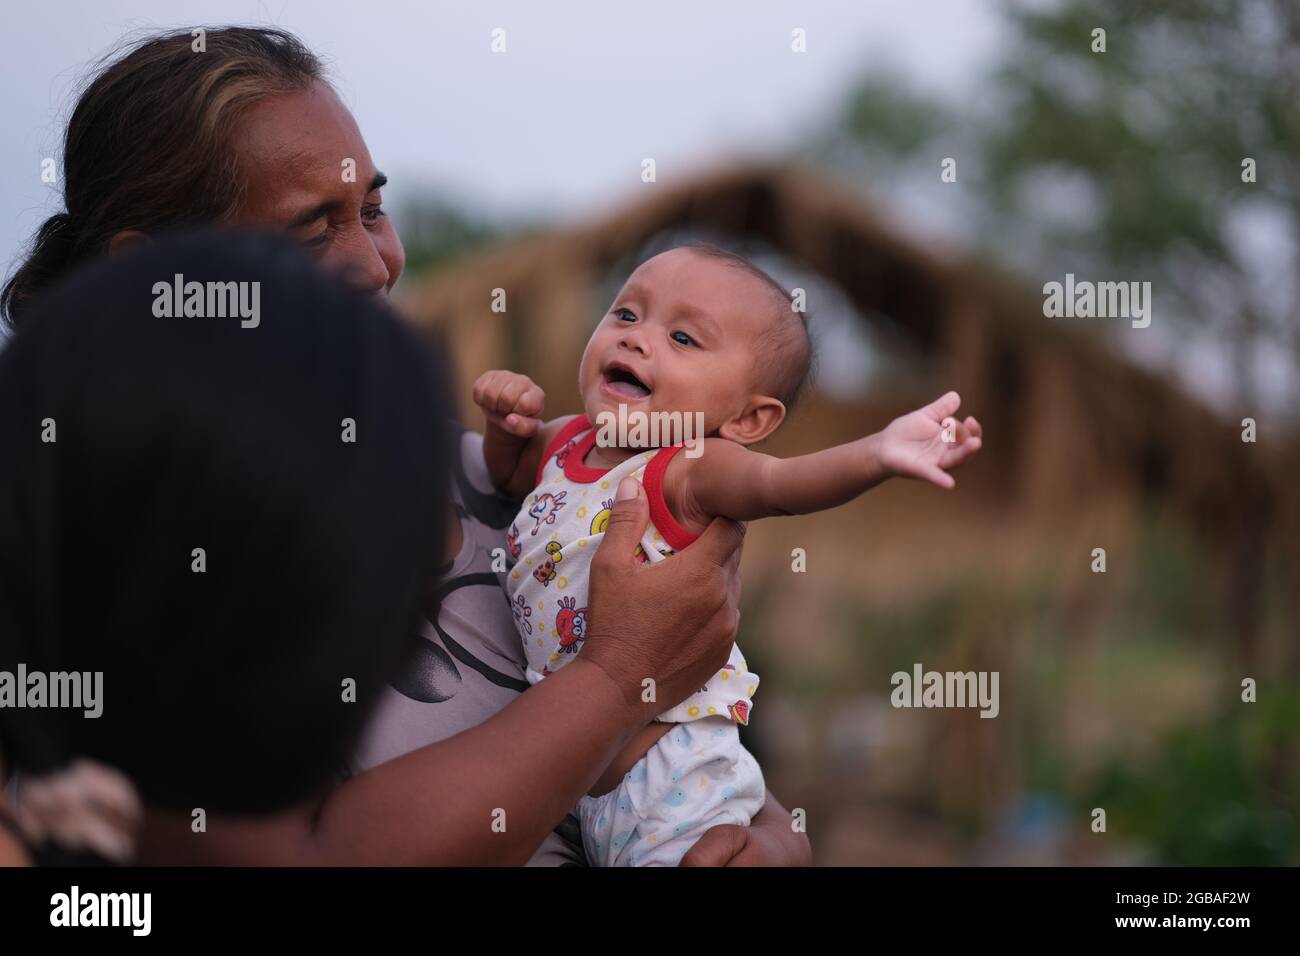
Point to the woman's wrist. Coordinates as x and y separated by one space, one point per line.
630 713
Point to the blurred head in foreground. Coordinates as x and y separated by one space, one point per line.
229 520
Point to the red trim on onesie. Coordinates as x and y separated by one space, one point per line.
676 535
575 469
575 426
575 466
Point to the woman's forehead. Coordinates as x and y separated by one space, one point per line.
299 149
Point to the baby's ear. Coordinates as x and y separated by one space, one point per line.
761 416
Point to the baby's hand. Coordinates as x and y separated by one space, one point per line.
511 401
929 443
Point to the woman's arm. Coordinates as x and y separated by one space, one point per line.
528 765
488 795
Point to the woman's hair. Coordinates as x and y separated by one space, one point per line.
149 145
232 524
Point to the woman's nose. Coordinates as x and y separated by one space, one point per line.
365 267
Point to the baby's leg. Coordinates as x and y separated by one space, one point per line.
697 776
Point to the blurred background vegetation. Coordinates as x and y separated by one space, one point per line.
1120 691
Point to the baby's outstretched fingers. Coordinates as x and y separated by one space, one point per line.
937 476
943 407
959 453
951 430
959 435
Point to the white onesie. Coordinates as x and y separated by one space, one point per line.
697 775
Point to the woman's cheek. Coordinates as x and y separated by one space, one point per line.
392 252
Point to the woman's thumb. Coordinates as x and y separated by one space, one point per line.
628 520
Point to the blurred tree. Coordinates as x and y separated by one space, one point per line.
1125 164
436 230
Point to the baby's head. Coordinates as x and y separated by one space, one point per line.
699 329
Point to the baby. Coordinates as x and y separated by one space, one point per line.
700 332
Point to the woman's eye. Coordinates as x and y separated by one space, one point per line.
681 338
373 214
625 315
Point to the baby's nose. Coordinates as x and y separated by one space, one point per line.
633 339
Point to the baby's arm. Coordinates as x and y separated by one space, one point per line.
729 480
515 437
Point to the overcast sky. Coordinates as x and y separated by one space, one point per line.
558 124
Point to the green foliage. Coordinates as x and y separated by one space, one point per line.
1174 595
435 231
1157 125
1222 793
885 115
1183 788
1125 163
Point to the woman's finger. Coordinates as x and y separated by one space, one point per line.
627 523
718 847
721 542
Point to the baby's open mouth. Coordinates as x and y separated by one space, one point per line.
620 381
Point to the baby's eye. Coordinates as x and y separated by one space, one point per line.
681 338
625 315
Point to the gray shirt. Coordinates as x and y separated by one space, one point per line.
468 663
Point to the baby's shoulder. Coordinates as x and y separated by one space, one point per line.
710 452
556 427
697 459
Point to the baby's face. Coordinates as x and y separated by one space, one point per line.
680 337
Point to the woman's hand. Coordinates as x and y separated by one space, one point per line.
672 622
769 840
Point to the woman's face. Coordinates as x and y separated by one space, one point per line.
306 169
